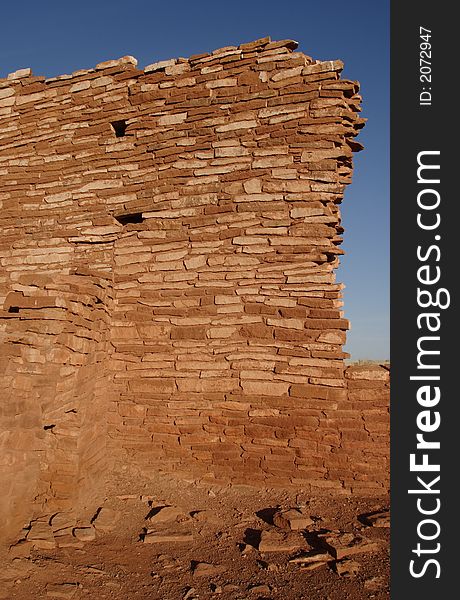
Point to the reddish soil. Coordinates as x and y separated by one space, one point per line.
119 566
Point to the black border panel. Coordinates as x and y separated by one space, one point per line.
424 266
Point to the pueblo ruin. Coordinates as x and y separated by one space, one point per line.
168 302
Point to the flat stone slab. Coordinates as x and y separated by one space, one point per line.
167 514
311 558
314 565
61 521
205 516
84 534
347 544
40 530
106 519
68 541
293 519
347 568
41 536
377 519
276 541
203 569
165 537
261 588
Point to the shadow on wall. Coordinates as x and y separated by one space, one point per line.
54 407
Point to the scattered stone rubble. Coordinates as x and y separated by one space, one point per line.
61 531
341 545
225 556
317 549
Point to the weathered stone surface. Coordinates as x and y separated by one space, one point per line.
124 60
61 590
312 557
377 519
167 514
20 73
203 569
293 519
347 568
158 66
167 297
313 565
106 519
41 535
68 541
61 521
84 534
261 588
167 537
20 550
274 541
348 544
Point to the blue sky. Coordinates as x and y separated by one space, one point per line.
56 37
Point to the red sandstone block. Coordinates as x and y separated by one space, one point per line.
270 388
367 372
278 477
191 429
356 446
282 451
252 452
262 431
231 457
298 311
130 410
303 445
342 324
325 314
333 440
199 440
204 385
331 355
283 434
377 415
155 428
316 391
165 439
365 384
366 487
256 331
265 442
288 422
374 427
310 473
380 396
194 332
235 431
278 465
289 335
153 386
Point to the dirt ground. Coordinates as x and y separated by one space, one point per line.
220 527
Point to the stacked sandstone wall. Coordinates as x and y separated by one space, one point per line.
168 244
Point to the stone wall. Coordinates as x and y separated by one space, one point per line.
168 244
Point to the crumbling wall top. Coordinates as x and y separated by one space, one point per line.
173 66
